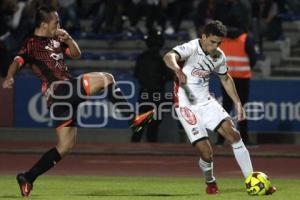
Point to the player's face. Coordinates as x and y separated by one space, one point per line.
53 24
211 43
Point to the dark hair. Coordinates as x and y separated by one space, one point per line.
43 14
216 28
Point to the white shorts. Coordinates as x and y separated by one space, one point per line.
195 119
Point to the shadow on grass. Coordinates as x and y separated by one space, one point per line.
18 197
128 194
231 190
9 197
133 193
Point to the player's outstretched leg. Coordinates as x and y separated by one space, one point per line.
242 157
96 82
66 142
47 161
137 122
240 151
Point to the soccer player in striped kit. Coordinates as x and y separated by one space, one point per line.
45 52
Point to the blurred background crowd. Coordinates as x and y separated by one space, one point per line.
262 18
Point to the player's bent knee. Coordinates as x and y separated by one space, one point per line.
229 132
108 78
98 81
64 151
65 148
207 157
206 154
235 137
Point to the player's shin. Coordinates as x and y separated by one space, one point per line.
47 161
242 157
207 169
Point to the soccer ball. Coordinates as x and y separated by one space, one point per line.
257 183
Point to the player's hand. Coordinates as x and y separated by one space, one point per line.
241 114
8 83
62 35
181 76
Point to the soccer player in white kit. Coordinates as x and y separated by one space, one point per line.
196 108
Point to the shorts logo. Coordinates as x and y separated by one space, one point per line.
195 131
188 115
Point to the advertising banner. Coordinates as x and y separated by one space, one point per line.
274 105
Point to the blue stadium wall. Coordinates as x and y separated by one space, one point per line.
274 105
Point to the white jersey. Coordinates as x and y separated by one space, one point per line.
197 67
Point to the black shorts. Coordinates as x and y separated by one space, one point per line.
65 101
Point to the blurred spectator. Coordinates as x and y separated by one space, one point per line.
7 10
267 23
150 9
69 15
204 13
235 13
291 7
152 75
176 11
97 11
240 53
108 17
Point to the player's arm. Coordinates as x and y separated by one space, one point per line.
230 89
73 49
12 70
171 59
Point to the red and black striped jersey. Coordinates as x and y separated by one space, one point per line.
46 58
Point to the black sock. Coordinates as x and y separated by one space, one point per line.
116 96
47 161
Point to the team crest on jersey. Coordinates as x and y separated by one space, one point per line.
188 115
55 43
199 73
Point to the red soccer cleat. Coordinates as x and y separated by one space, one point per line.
212 188
25 186
142 120
271 190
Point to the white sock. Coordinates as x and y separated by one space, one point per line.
242 157
207 169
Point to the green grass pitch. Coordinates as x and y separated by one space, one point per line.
135 188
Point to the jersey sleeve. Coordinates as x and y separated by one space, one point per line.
222 68
185 50
22 56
